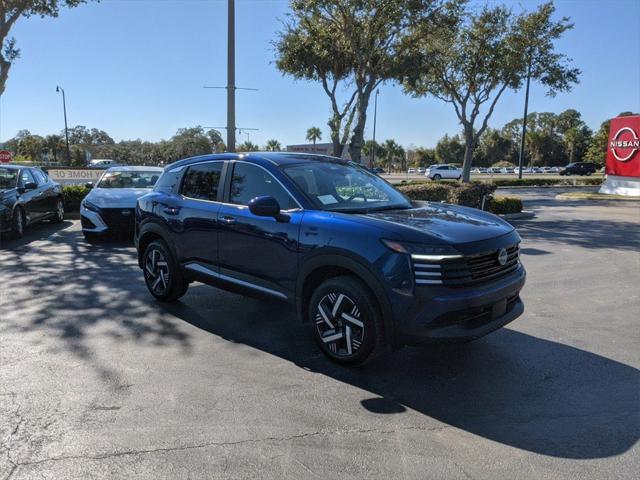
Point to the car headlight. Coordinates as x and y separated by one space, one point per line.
90 206
419 251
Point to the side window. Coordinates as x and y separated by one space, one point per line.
250 181
39 176
201 181
169 181
26 177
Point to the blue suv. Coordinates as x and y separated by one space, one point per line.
365 266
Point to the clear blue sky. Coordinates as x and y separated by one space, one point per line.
136 69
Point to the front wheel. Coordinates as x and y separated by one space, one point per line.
161 273
347 323
437 177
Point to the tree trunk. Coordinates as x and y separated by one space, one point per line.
468 154
334 128
4 73
357 140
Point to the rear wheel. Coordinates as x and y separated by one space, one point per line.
161 273
347 323
59 212
17 223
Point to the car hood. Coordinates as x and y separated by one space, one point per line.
450 224
116 197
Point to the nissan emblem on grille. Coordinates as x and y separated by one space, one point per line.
502 256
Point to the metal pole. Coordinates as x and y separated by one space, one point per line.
524 120
231 78
66 129
375 114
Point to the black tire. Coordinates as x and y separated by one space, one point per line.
17 223
58 216
161 273
437 177
348 306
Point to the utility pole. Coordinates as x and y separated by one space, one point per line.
524 119
66 129
375 114
231 77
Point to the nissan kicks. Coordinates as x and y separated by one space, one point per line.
363 265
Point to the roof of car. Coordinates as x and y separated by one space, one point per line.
126 168
276 158
11 166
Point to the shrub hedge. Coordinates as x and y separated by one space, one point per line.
503 205
72 195
537 182
468 194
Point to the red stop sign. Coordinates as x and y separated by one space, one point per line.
5 156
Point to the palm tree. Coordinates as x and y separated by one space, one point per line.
314 134
273 145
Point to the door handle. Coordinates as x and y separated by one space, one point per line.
171 210
228 220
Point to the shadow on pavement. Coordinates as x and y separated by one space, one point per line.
38 231
513 388
71 290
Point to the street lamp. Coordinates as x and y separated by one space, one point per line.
66 129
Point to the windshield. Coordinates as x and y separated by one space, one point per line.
8 178
344 187
130 179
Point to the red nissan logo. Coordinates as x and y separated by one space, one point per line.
625 144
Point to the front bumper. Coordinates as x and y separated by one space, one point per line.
445 314
92 221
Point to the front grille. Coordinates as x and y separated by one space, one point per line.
468 270
116 219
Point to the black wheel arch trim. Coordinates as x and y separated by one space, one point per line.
155 228
359 269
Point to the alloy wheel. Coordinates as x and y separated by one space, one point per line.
60 210
339 324
156 271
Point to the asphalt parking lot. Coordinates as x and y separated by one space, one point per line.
97 380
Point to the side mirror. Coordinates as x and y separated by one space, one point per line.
30 186
267 206
89 185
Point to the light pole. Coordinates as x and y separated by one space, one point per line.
375 114
66 129
524 120
231 76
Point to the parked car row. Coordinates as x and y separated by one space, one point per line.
364 266
437 172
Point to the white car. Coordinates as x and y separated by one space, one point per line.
546 169
492 170
421 170
411 170
103 163
438 172
507 170
554 170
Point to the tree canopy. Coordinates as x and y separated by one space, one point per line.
488 52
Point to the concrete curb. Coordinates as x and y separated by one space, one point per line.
603 197
518 216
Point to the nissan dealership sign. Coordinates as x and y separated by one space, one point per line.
623 157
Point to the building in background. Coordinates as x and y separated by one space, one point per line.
321 148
